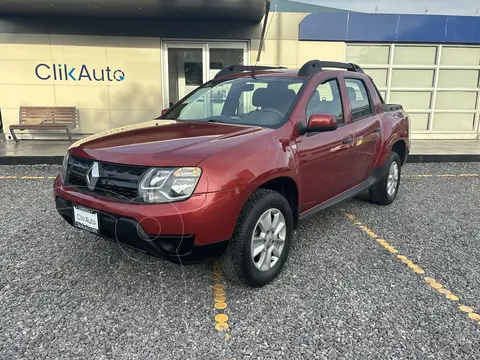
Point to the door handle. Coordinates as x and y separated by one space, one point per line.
347 140
377 129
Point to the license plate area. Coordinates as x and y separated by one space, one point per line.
85 218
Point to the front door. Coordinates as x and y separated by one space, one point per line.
366 130
188 65
325 158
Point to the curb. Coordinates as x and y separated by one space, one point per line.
31 160
443 158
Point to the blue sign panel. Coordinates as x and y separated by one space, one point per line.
344 26
83 73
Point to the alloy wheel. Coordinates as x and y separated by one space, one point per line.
268 239
392 180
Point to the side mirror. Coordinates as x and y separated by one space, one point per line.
163 111
318 123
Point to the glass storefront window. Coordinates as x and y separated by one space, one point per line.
458 79
412 100
460 100
460 56
379 76
419 121
453 122
414 55
191 63
361 54
219 58
412 78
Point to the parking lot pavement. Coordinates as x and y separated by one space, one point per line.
66 293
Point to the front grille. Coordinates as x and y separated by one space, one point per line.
116 181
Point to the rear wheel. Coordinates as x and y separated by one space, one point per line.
261 242
385 191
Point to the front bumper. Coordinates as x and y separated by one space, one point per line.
182 232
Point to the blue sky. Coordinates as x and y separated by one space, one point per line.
444 7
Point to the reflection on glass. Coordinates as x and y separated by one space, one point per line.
364 55
458 78
412 100
419 121
460 56
185 72
457 100
453 122
415 55
261 101
219 58
379 76
412 78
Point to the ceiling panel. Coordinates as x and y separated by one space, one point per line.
52 8
246 10
16 7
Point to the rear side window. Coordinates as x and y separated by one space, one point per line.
359 99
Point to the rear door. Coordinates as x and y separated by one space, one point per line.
324 158
365 125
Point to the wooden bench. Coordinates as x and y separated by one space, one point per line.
46 118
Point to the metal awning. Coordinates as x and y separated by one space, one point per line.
239 10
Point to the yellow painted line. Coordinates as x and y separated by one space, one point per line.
441 175
474 316
16 177
220 301
416 269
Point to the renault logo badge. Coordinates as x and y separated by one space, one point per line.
93 174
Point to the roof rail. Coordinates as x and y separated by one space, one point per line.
235 69
313 66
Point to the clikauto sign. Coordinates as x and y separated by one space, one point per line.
67 72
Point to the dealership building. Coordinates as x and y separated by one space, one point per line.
121 62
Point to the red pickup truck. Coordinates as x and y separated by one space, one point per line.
231 168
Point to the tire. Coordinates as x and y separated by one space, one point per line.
379 193
237 262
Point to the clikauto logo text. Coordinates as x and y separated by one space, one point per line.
82 73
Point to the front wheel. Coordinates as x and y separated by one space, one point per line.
261 242
385 191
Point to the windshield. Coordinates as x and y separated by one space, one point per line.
262 101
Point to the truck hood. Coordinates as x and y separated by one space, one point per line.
163 142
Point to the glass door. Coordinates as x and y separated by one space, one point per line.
184 70
224 54
189 64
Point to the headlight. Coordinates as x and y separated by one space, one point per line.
161 185
63 172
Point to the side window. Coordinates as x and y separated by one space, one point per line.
359 100
326 99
